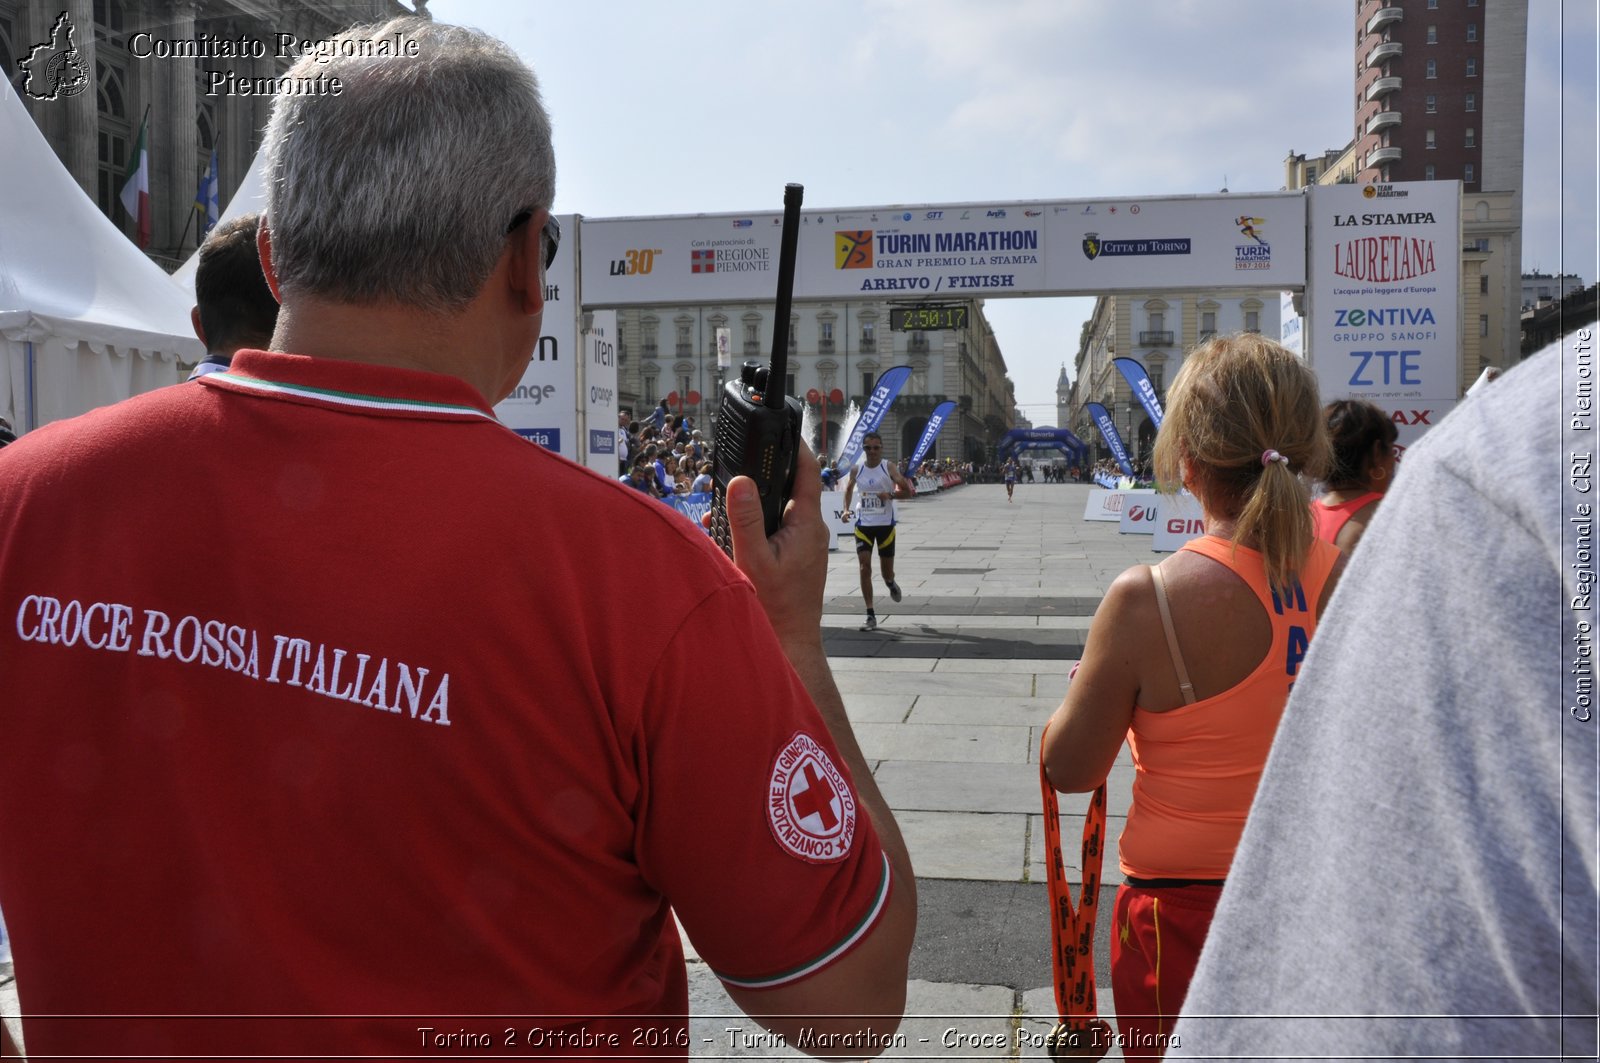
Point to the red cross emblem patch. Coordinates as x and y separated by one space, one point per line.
810 806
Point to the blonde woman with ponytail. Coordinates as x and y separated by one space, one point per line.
1191 661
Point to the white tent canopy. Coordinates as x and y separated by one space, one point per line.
251 195
85 318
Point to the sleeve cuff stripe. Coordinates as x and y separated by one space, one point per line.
856 933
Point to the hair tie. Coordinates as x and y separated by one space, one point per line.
1272 455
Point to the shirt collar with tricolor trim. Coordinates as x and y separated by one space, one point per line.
356 387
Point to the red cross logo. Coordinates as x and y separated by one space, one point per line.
817 799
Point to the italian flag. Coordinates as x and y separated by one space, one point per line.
136 184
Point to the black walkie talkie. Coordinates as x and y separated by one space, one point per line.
758 426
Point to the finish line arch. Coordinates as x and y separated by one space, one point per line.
1379 266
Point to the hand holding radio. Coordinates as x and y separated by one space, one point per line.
758 426
789 569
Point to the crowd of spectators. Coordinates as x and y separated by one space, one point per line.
664 454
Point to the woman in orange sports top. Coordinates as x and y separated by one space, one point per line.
1362 438
1191 661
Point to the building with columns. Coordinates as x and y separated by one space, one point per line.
195 101
836 349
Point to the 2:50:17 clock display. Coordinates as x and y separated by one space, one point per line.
927 318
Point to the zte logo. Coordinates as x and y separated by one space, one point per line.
1186 526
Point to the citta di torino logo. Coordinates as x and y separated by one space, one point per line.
810 807
55 68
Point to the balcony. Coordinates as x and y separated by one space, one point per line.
917 405
1386 50
684 350
1383 120
1379 156
825 346
1155 339
649 350
753 346
918 343
869 345
1382 87
1386 16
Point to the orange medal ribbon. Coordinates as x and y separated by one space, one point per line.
1080 1034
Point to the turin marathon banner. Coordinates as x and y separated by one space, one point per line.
953 251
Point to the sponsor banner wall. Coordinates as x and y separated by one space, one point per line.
1138 512
1178 519
1384 298
544 405
974 250
599 387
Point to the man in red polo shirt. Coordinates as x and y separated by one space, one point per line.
389 773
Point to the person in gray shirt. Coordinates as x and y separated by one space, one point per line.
1418 872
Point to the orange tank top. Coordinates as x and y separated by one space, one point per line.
1196 767
1329 520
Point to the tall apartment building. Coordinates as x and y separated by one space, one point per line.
837 350
194 101
1439 95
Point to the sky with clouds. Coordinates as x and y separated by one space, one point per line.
713 105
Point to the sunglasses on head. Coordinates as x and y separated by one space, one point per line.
552 233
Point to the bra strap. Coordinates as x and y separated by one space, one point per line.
1184 686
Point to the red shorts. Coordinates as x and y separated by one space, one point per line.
1156 936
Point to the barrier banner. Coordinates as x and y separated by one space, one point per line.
1108 429
692 506
1139 380
838 527
931 432
1178 519
883 396
1103 504
951 479
1138 512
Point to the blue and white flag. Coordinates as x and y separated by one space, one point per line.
883 396
1108 428
931 432
205 199
1139 381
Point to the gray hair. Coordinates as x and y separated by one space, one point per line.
401 187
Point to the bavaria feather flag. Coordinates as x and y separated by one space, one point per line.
205 199
136 183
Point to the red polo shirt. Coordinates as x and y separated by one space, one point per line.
326 698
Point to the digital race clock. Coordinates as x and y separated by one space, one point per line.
927 318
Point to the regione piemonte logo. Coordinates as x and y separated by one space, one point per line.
702 261
55 68
809 804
